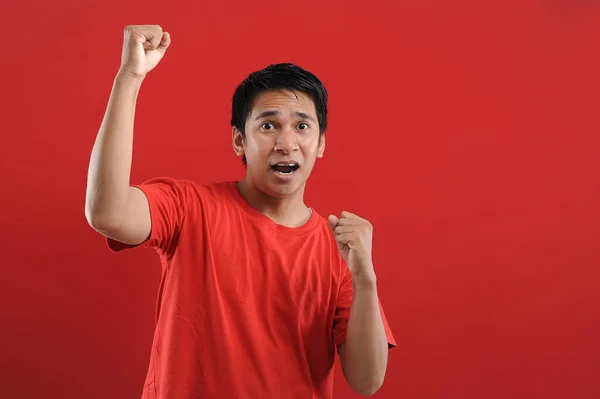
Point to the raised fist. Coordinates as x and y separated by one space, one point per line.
143 48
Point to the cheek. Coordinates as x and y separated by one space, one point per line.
259 146
310 145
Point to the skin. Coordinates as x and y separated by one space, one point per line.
291 134
284 126
364 356
117 210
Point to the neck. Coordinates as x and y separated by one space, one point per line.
288 211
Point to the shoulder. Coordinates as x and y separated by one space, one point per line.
189 188
215 201
213 193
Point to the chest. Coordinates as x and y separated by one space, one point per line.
277 275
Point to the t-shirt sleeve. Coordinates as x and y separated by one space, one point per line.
342 314
167 201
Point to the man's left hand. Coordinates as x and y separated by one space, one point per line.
354 236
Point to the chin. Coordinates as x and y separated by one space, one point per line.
277 189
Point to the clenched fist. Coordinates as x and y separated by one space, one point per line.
354 236
143 48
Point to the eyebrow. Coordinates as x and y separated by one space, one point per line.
266 114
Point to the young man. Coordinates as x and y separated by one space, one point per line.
258 291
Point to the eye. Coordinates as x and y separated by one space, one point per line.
267 126
303 126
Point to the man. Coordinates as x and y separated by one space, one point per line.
257 291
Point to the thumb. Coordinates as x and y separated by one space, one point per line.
164 42
333 221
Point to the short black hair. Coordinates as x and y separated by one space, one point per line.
278 76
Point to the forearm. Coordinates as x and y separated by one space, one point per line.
110 161
366 348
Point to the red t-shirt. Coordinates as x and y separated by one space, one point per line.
246 308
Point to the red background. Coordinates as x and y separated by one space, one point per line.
467 132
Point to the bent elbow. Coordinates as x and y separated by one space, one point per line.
100 223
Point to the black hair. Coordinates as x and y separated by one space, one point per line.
278 76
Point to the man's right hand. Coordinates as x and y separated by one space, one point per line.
143 48
112 206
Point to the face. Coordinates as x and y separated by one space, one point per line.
282 142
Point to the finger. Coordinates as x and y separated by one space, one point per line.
344 238
333 221
164 42
153 40
344 229
350 215
154 36
344 221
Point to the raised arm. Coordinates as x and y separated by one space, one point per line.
112 206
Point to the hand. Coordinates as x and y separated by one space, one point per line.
143 48
354 236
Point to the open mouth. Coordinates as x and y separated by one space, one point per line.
285 168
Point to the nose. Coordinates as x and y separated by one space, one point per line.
287 141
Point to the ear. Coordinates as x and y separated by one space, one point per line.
237 140
321 148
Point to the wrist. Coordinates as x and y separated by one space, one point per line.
126 78
364 280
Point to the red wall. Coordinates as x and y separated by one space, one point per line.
468 132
